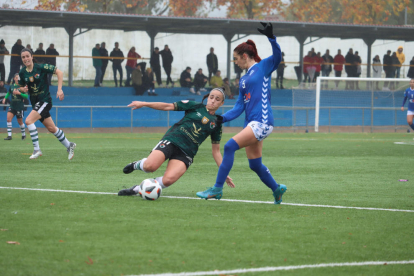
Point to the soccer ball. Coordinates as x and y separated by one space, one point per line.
150 189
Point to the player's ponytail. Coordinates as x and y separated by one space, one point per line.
249 48
205 97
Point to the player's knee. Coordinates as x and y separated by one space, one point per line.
52 129
168 180
410 121
28 121
150 167
254 165
231 146
9 120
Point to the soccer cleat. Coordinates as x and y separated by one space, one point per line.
128 192
278 193
24 137
36 154
8 138
213 192
71 150
131 167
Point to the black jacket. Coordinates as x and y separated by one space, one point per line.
350 59
212 62
117 53
199 78
16 49
167 58
104 53
40 53
51 60
183 76
387 60
155 60
411 70
327 59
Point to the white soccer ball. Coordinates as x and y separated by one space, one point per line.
150 189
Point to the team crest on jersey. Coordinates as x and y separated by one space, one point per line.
212 125
31 79
46 66
36 76
162 146
205 120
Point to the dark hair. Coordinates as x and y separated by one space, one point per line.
207 95
249 48
156 48
188 67
30 52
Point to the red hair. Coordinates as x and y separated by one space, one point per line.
248 48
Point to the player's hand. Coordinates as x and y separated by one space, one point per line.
229 182
267 29
136 105
24 89
402 108
60 95
16 92
4 101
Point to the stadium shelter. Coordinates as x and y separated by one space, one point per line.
77 23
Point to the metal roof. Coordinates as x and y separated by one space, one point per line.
196 25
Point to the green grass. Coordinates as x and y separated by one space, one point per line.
59 232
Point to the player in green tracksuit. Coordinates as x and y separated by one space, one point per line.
181 142
16 107
33 79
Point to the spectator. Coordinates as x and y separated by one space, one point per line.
51 60
15 61
97 63
350 68
216 80
3 51
40 52
185 79
339 62
227 89
3 92
395 64
237 70
313 52
167 59
387 66
357 61
155 64
401 58
137 81
318 65
411 70
116 63
200 81
376 69
308 72
327 67
235 87
212 64
280 71
131 64
149 82
104 53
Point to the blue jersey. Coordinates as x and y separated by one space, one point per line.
254 92
409 94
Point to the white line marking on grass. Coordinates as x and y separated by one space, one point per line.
276 268
226 200
404 143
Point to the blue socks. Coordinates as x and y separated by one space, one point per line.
228 159
263 172
412 126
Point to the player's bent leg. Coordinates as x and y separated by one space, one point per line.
410 121
9 125
22 127
175 169
150 164
30 122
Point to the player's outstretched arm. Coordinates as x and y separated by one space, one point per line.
153 105
59 93
215 148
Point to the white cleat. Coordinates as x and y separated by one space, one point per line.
71 150
36 154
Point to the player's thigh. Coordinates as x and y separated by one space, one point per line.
410 119
20 121
175 169
10 116
33 117
154 161
255 150
245 137
50 125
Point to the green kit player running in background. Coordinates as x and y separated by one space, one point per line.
33 79
16 107
181 142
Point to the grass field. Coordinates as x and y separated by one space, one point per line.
62 233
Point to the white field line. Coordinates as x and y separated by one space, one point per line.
276 268
227 200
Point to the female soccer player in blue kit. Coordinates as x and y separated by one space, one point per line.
409 94
254 99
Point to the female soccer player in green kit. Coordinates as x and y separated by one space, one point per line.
16 107
181 142
33 79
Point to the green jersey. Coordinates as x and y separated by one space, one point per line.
17 102
37 82
194 128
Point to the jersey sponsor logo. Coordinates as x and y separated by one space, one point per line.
205 120
212 125
195 131
198 114
31 79
247 97
189 135
185 101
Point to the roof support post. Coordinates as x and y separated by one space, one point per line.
301 39
228 37
71 31
152 33
369 41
